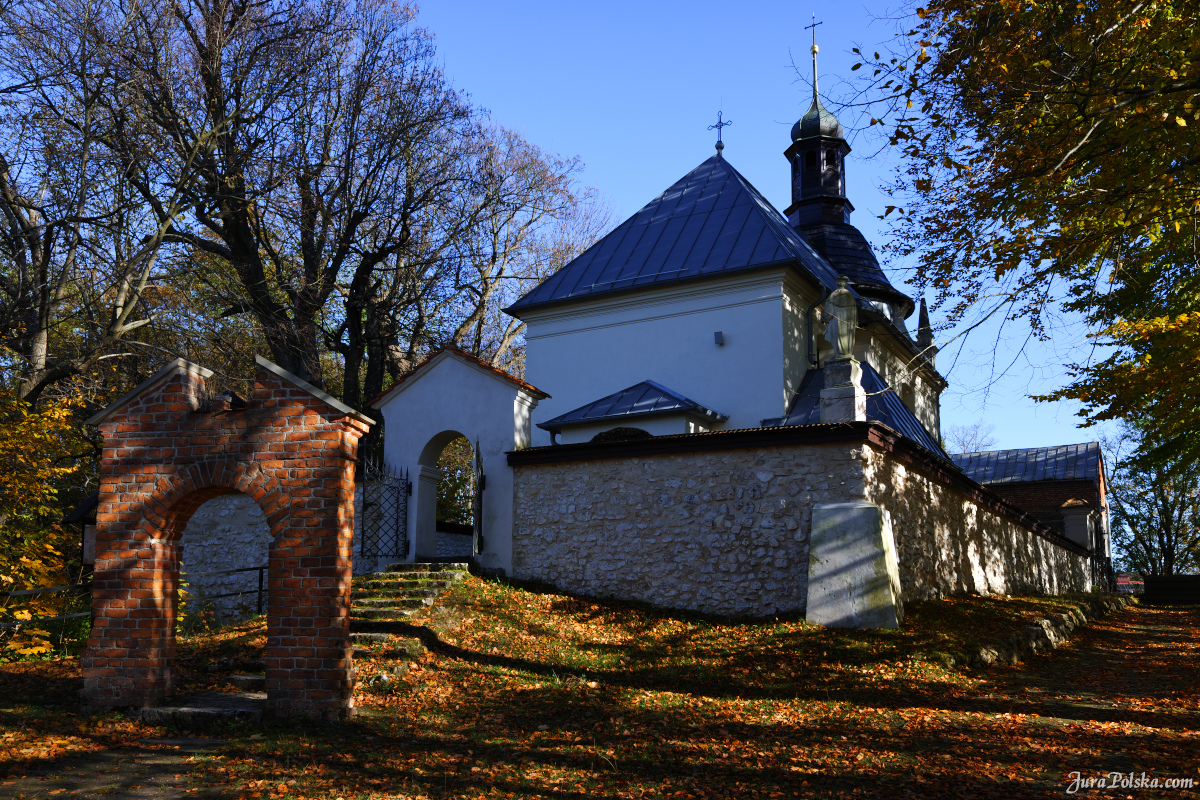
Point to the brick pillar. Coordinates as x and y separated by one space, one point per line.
309 670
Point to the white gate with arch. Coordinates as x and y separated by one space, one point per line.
454 394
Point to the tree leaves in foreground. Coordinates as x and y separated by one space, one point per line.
1051 156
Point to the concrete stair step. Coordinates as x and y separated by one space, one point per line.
423 577
368 594
395 626
427 566
207 709
371 603
359 638
381 613
249 683
391 585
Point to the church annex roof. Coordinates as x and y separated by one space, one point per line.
1069 462
883 405
645 399
710 222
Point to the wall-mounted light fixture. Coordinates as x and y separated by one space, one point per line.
719 338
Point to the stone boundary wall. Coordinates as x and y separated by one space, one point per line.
720 522
949 543
718 532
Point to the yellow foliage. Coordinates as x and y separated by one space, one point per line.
40 449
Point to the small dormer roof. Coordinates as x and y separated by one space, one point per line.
645 399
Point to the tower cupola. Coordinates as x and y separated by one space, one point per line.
817 156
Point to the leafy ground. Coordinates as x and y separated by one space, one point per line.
527 693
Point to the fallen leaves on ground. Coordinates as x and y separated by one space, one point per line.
528 693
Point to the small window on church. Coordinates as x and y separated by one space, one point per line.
796 166
810 160
831 159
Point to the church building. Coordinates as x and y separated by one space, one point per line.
724 409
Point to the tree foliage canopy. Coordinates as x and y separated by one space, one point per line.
1051 156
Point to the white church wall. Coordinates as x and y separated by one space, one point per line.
912 385
581 352
727 532
797 299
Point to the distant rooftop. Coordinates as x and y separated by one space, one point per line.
645 399
883 405
1069 462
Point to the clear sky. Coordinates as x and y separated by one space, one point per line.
631 87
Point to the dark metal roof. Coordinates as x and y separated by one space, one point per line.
1069 462
883 405
646 399
817 121
710 222
849 253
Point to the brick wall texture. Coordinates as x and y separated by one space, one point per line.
726 531
294 456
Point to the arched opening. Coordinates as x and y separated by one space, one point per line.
448 496
224 551
456 500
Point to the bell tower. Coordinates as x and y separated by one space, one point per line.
817 157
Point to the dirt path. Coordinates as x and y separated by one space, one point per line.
156 771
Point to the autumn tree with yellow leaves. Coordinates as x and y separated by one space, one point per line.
1051 159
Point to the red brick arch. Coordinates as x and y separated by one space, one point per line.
167 450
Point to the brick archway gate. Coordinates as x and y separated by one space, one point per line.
167 450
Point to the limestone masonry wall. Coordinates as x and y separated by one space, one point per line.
949 544
727 531
719 532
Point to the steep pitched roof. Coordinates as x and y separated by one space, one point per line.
645 399
458 352
1069 462
850 254
710 222
883 405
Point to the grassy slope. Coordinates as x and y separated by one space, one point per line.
528 693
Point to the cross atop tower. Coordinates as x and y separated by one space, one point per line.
718 126
814 51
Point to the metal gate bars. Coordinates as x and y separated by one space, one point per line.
385 513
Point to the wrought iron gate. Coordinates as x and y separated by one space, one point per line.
385 513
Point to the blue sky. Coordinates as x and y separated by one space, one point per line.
631 87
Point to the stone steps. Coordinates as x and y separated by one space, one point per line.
398 591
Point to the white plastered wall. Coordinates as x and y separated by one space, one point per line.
446 398
584 351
